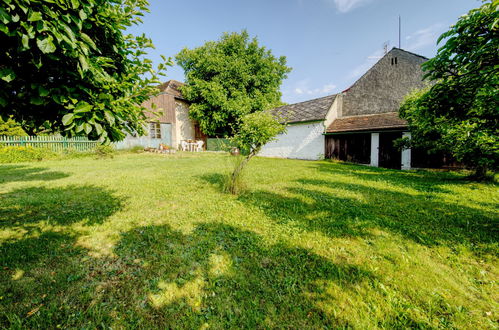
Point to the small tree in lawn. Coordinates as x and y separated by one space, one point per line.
459 113
255 130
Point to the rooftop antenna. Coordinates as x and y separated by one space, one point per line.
385 51
400 32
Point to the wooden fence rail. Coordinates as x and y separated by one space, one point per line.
54 143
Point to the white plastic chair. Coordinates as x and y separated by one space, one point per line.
199 145
185 145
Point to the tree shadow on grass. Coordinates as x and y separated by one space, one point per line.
420 180
228 278
45 278
425 220
45 282
25 208
216 179
20 173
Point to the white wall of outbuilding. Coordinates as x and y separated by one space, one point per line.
301 141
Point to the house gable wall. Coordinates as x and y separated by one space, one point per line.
385 85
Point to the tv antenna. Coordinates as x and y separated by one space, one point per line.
385 51
400 32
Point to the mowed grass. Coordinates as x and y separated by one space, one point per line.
150 241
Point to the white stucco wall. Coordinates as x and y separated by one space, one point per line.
184 127
303 141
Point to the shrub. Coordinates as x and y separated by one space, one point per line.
105 151
24 154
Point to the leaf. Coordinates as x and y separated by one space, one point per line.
88 40
68 119
36 100
4 16
87 127
46 45
25 41
98 128
75 4
109 117
34 16
83 62
7 74
82 14
34 310
83 106
69 32
42 91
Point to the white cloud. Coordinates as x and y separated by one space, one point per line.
424 37
345 6
303 88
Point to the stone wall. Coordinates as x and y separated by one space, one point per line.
385 85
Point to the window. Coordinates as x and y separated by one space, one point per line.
155 130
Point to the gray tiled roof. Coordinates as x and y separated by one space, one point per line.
305 111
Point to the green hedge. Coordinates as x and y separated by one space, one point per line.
31 154
24 154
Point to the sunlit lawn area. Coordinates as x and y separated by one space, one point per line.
146 240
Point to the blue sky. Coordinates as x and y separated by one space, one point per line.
328 43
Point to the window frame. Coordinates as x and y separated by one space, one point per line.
155 130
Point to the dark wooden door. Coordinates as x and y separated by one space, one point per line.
389 156
199 135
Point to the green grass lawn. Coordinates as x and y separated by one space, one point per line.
146 240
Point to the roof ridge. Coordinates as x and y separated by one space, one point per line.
318 98
426 58
370 114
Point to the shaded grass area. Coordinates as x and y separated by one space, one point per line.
151 241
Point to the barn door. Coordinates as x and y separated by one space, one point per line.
389 156
166 134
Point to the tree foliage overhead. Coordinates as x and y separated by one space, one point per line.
229 78
68 66
459 113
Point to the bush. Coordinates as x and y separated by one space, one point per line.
24 154
105 151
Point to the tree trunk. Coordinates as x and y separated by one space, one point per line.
480 173
238 170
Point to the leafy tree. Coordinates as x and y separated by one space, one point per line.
459 113
67 66
229 78
11 128
255 130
